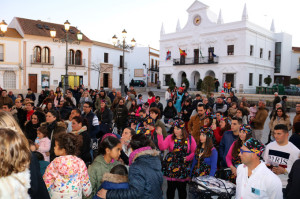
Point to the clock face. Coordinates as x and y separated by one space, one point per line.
197 20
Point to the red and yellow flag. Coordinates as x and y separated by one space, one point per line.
182 52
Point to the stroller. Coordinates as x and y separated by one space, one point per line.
205 187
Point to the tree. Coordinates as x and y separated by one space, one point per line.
186 82
199 83
208 84
268 80
171 84
294 81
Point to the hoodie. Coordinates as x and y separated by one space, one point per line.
67 177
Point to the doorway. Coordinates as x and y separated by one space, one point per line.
230 78
32 78
105 80
156 77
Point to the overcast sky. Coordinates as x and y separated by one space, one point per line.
142 19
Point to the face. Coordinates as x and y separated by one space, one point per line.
218 116
102 105
242 135
34 119
297 107
28 107
261 104
50 118
206 121
222 124
239 113
142 115
186 103
86 108
76 126
121 102
280 136
178 132
153 115
220 100
133 103
170 104
246 157
241 105
279 112
156 100
49 105
200 111
73 114
202 138
235 126
205 101
228 101
39 134
58 151
5 108
233 106
126 135
115 152
18 104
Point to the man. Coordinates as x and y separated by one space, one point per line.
292 189
205 102
30 95
281 154
254 179
75 112
220 106
283 103
46 92
196 122
297 116
233 97
259 120
7 108
228 138
4 99
132 91
92 119
217 84
157 104
276 99
21 113
211 100
196 101
29 106
12 96
112 94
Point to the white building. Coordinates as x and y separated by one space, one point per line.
41 61
296 63
241 52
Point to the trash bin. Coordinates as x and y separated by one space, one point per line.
257 89
269 90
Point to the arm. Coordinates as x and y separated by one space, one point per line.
193 165
93 178
164 144
49 177
192 150
85 180
224 108
213 162
229 156
190 125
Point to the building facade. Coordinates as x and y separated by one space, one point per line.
240 52
296 62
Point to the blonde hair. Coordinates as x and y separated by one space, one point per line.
7 120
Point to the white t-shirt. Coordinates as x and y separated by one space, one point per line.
262 183
283 156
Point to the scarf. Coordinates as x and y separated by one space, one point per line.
84 128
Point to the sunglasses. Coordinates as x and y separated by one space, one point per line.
243 151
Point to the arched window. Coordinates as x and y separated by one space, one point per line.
37 54
45 55
78 58
71 57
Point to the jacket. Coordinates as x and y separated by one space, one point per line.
44 146
194 126
145 177
85 149
105 117
15 185
93 123
67 177
186 116
121 115
260 118
158 105
31 96
292 188
170 112
96 171
225 144
280 120
113 181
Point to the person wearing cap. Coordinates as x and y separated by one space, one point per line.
281 154
181 149
178 99
254 179
30 95
276 100
233 159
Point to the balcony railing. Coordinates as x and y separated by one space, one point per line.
154 69
40 61
196 60
78 63
1 56
120 66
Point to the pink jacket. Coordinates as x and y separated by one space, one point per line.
137 113
229 155
168 143
44 146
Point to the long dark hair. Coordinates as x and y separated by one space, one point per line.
80 120
109 142
139 141
184 135
238 144
207 151
283 114
226 128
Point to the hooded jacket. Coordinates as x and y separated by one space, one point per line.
145 177
67 177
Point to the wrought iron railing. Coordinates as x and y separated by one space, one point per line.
42 61
196 60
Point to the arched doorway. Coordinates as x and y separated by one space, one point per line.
181 76
210 73
195 76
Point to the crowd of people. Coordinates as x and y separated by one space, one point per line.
85 143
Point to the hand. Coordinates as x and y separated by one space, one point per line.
37 146
213 126
159 130
278 170
102 193
185 112
233 170
184 159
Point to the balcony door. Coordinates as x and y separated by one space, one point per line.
196 56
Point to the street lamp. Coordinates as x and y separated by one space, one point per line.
66 40
124 47
3 28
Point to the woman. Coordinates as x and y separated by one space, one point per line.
66 108
169 112
168 94
21 97
134 108
178 99
41 98
31 127
79 127
151 97
51 95
49 107
125 140
58 98
121 116
279 118
57 90
233 159
186 112
155 115
105 117
85 97
240 113
181 147
146 185
244 106
219 129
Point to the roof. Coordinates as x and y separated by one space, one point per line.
106 45
296 48
11 32
30 27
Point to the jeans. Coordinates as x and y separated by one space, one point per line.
180 186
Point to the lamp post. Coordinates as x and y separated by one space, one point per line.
3 28
66 40
124 47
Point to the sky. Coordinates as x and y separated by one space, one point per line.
101 19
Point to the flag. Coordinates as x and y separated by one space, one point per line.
201 54
168 55
182 52
212 52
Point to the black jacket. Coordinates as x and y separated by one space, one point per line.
121 116
159 106
21 114
292 188
186 116
41 99
85 154
170 112
105 116
30 130
31 96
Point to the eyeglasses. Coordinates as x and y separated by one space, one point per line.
243 151
86 107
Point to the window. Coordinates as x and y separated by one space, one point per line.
37 54
152 63
120 79
196 56
46 55
230 50
182 58
250 79
78 60
1 53
269 55
167 80
260 53
260 80
9 80
71 57
105 57
151 77
156 64
211 54
121 61
277 57
251 50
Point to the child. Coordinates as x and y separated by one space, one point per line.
14 163
116 179
43 143
140 100
32 146
67 176
232 110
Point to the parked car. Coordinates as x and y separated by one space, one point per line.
291 90
138 83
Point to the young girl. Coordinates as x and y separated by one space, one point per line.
14 164
43 143
67 176
109 148
181 149
233 159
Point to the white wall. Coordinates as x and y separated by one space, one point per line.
295 65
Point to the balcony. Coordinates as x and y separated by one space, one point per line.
1 56
154 69
195 60
120 66
35 60
78 63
